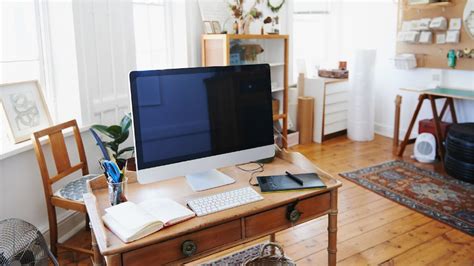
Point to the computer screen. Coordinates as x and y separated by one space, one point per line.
187 114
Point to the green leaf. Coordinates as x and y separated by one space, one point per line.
115 131
125 123
103 130
124 150
123 137
112 145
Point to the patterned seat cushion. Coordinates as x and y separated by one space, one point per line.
74 189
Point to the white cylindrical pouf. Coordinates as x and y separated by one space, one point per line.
360 119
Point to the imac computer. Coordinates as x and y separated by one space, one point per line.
188 122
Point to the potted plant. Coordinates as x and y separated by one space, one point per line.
117 135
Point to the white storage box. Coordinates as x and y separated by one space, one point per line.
405 61
293 138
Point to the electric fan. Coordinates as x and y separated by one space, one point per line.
425 148
22 244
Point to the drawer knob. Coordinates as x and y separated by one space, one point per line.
188 248
292 214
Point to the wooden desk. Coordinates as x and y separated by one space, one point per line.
433 95
218 231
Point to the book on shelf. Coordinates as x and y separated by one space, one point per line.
130 221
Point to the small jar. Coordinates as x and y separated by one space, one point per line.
118 191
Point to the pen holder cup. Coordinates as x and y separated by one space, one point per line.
118 192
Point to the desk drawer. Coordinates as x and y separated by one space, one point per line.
171 250
275 219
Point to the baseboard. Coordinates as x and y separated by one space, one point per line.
69 224
387 131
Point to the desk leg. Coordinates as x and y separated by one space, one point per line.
437 121
421 98
97 257
452 110
332 230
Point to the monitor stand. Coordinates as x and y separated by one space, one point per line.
208 179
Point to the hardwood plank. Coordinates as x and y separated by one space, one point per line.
437 251
397 245
347 231
371 238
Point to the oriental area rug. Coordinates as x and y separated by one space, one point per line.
443 198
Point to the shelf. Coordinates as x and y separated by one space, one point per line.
430 5
278 89
277 64
246 36
278 117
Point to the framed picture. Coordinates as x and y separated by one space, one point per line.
208 28
24 109
216 26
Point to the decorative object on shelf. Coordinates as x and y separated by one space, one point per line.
441 38
247 52
24 109
335 73
452 58
275 5
455 24
426 37
439 23
208 28
466 53
452 36
468 18
342 65
216 27
117 134
420 2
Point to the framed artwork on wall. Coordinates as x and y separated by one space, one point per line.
208 28
24 109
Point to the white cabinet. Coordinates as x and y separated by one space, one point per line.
331 102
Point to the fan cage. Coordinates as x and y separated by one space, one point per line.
22 244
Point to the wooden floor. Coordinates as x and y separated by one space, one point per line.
371 229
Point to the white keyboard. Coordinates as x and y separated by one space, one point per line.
223 201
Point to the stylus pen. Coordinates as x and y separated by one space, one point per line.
296 179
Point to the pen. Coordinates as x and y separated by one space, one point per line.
296 179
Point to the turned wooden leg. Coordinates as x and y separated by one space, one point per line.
332 230
97 257
273 240
421 98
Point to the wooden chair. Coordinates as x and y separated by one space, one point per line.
70 196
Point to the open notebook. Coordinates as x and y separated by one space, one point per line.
130 221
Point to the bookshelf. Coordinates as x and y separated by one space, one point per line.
216 51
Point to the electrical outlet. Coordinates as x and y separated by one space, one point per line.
436 78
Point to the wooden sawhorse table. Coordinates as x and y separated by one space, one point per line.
432 95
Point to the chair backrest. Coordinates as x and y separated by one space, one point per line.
60 154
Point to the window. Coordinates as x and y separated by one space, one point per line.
21 55
312 25
151 25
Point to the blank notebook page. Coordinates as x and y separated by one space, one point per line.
166 210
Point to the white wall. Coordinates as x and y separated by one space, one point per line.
21 188
372 25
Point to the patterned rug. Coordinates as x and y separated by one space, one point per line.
443 198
